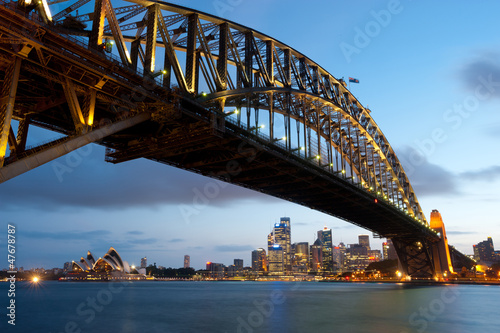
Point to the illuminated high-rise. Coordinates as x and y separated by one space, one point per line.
281 235
259 260
484 251
301 255
144 262
325 236
276 260
187 261
364 240
316 256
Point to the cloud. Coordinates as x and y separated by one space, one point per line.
427 179
135 233
461 232
176 240
83 179
486 67
67 235
488 174
234 248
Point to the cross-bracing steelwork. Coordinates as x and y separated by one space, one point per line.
181 87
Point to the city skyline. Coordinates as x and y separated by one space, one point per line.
426 85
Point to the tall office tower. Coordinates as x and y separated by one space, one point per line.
281 235
276 260
301 256
484 251
364 240
389 251
325 236
338 258
187 261
144 262
316 256
259 260
238 263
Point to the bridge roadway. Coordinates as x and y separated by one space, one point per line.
53 80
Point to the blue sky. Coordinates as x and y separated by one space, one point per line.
429 72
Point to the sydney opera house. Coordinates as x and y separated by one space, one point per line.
109 267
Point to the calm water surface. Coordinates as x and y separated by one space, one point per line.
250 307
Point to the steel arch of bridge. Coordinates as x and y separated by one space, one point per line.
241 77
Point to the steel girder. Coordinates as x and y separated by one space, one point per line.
242 67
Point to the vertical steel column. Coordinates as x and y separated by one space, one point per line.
151 33
271 116
7 100
95 38
74 105
89 107
303 73
222 59
191 53
270 61
287 67
22 133
134 53
249 59
167 67
341 145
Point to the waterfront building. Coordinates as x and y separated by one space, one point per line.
325 236
110 266
238 263
364 240
259 260
301 257
215 270
187 261
281 235
389 250
276 260
316 256
484 251
338 258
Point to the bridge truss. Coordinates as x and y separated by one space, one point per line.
205 94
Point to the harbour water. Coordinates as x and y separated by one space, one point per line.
184 306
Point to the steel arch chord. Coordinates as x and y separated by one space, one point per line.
218 96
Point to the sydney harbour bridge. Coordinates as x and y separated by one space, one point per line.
181 87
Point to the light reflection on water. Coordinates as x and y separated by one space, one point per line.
251 307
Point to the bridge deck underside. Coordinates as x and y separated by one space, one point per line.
251 162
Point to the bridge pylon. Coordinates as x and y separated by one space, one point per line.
440 250
425 258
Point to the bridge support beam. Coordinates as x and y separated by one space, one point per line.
415 257
59 149
7 99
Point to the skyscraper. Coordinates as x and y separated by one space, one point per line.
144 262
316 256
364 240
484 251
259 260
301 255
389 250
325 236
281 235
238 263
187 261
276 260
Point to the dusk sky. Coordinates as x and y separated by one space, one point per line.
430 73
